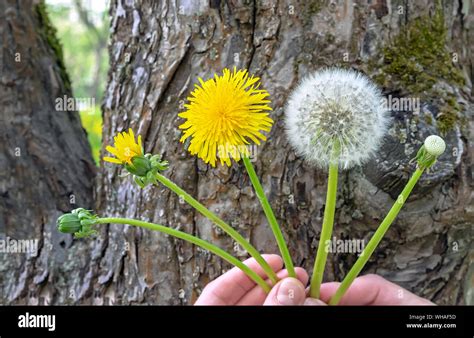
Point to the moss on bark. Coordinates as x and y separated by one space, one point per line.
416 60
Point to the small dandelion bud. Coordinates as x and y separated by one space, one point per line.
336 115
431 149
69 223
435 145
78 222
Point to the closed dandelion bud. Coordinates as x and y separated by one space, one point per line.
69 223
77 222
336 115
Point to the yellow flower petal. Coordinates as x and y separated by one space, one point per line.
125 148
112 160
224 114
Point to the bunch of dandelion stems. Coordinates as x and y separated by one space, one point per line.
233 233
376 238
327 227
223 225
326 232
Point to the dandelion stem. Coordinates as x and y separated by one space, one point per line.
326 231
223 225
194 240
270 216
376 238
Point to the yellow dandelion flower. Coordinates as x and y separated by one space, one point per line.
125 148
224 114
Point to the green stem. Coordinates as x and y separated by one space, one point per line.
270 217
326 231
223 225
194 240
376 238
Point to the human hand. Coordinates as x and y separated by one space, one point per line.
235 288
372 290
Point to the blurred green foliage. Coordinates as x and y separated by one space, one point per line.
92 123
83 30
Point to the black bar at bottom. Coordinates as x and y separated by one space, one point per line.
156 321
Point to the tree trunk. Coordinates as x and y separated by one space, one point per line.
46 164
159 49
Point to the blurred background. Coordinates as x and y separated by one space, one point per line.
83 29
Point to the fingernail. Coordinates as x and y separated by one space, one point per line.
290 292
313 301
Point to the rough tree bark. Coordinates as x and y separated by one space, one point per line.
46 167
157 51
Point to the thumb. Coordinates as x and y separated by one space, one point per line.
288 291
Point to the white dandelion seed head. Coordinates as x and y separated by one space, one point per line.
336 108
435 145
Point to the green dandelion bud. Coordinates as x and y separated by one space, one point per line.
78 222
69 223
